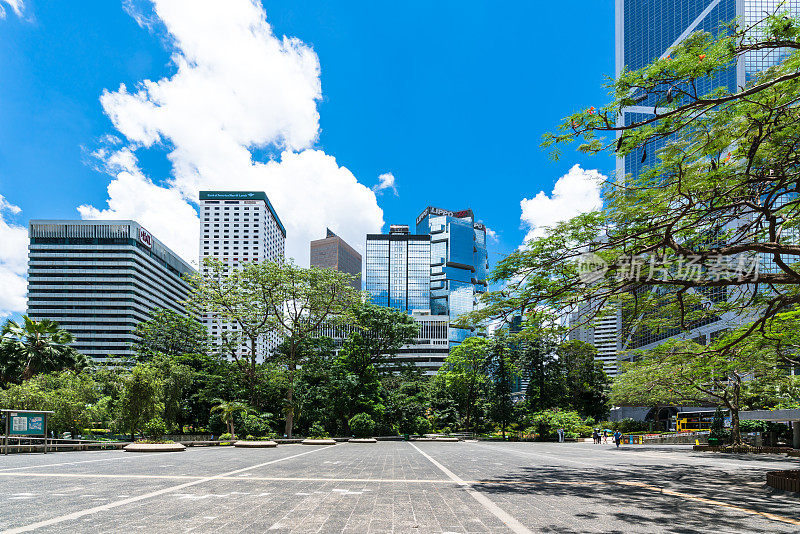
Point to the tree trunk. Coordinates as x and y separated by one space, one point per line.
290 400
233 433
736 435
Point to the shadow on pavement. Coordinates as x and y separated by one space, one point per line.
646 509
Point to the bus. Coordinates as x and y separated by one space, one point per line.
694 421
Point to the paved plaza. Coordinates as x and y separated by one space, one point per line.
396 487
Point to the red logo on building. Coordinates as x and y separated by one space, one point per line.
145 238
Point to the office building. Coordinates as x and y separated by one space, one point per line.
647 30
458 263
100 279
428 350
334 253
237 227
398 271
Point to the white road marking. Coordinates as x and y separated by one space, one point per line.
116 504
128 457
511 522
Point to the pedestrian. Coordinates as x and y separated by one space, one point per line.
618 438
605 436
560 433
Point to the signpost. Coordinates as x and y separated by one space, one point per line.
25 423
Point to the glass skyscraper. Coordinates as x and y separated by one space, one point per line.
398 269
458 263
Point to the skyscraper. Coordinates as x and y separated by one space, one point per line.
458 263
100 279
238 227
334 253
647 30
398 269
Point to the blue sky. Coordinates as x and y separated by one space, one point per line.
451 98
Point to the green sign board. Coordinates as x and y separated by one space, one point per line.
26 424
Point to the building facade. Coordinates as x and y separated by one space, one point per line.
237 227
100 279
333 252
458 263
398 273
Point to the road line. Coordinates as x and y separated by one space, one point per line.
109 506
238 479
128 457
499 513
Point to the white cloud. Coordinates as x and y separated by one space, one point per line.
576 192
491 234
385 181
13 261
238 88
15 5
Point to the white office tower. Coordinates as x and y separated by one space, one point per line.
601 330
237 227
100 279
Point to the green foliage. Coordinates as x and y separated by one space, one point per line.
546 423
36 347
154 428
171 333
718 426
228 411
138 400
362 425
317 431
691 213
72 396
462 381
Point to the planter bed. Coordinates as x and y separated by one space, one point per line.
362 440
154 447
784 480
743 450
319 442
264 444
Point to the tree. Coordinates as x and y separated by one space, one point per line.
228 410
169 332
36 347
138 400
299 302
382 332
463 376
235 297
681 372
71 396
585 382
536 357
679 242
502 373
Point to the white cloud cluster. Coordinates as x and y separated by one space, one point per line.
15 5
13 261
576 192
386 181
237 89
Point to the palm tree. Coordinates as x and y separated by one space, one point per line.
227 410
37 347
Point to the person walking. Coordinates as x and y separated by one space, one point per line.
618 438
595 436
561 435
605 436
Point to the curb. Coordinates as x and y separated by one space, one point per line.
154 447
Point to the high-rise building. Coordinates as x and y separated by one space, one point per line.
100 279
334 253
458 263
398 269
237 227
647 30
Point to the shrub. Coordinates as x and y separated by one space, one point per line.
225 437
422 425
255 424
155 428
362 425
317 431
629 425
